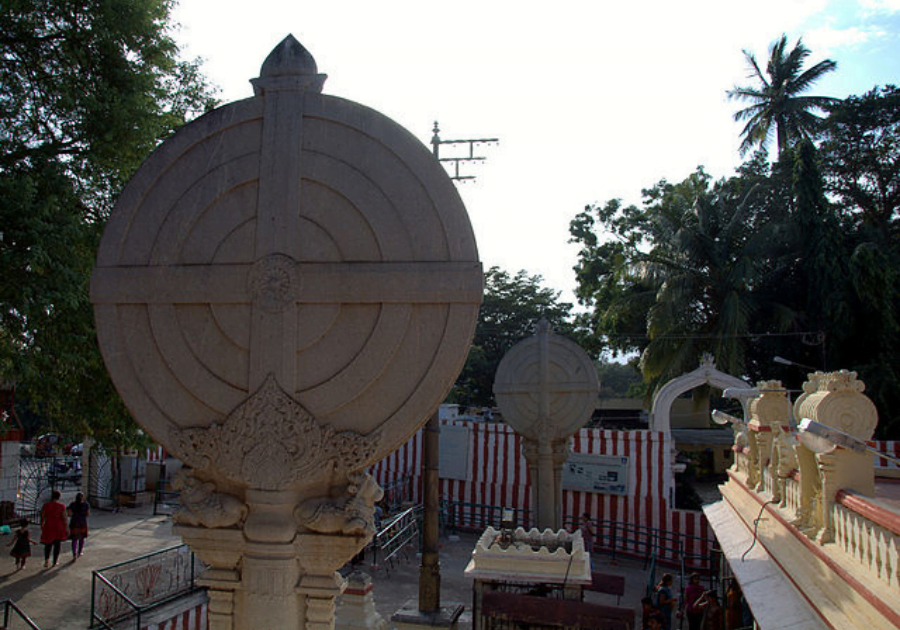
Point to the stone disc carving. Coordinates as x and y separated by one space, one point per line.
291 244
546 386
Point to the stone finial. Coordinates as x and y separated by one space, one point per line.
842 381
288 66
771 407
840 403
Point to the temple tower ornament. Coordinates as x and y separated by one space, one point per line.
285 291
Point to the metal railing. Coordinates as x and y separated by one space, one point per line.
460 516
398 492
398 534
125 591
165 500
10 607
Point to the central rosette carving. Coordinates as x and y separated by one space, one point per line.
274 282
271 442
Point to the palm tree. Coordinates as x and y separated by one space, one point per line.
777 100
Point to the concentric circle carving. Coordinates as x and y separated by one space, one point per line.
327 250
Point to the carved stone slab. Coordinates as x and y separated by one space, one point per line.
295 252
546 386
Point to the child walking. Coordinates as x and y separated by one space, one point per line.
21 544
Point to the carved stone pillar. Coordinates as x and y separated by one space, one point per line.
285 291
547 388
768 413
836 400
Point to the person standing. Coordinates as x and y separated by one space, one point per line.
587 532
53 527
711 610
78 512
693 592
734 617
664 600
21 544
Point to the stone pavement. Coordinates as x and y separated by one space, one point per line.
58 598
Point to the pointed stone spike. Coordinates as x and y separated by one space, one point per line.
288 57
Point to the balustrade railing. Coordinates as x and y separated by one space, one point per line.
869 535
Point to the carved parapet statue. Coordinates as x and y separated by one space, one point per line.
838 402
769 412
808 516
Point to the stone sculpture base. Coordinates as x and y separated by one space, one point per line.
357 608
271 585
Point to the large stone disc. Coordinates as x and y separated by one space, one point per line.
294 239
546 386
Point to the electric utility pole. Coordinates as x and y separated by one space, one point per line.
430 570
455 161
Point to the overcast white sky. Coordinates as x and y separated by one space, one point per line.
591 100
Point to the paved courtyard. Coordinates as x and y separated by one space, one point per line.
58 598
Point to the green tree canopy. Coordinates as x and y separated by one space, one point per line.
798 258
861 159
87 90
776 101
512 305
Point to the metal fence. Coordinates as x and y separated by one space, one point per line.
11 611
122 593
476 517
165 499
396 537
39 476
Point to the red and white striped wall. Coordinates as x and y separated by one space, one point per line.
194 619
892 448
499 477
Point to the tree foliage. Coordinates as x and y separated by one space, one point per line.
775 103
512 305
87 90
799 258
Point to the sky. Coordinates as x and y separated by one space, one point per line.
591 100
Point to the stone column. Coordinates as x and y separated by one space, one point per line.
547 388
285 291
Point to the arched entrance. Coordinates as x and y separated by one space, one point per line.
706 374
660 412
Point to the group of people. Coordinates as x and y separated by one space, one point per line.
58 523
702 608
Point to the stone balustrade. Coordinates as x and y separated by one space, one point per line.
870 535
825 497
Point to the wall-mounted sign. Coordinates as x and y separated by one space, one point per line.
455 459
607 474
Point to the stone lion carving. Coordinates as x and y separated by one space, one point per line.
352 514
202 505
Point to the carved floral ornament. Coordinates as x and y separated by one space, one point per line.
271 442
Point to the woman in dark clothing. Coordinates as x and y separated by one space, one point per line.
53 527
78 512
